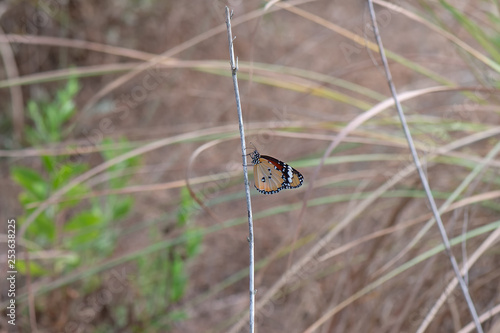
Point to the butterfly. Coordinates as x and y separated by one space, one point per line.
272 175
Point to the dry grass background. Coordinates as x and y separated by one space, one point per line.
289 114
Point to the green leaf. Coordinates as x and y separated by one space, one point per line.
85 228
70 261
52 122
64 172
179 279
103 242
193 241
122 207
35 115
31 181
43 229
186 207
26 198
49 118
35 269
82 220
49 162
74 192
82 240
73 86
108 154
66 111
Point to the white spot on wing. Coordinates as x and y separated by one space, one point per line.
290 174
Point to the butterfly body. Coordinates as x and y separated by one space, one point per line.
272 175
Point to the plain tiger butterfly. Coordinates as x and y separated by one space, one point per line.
272 175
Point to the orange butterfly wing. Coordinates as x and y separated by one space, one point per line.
268 177
272 175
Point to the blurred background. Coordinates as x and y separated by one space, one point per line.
120 162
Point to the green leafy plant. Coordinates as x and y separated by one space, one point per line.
166 281
69 224
85 229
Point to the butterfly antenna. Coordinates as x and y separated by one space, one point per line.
254 149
